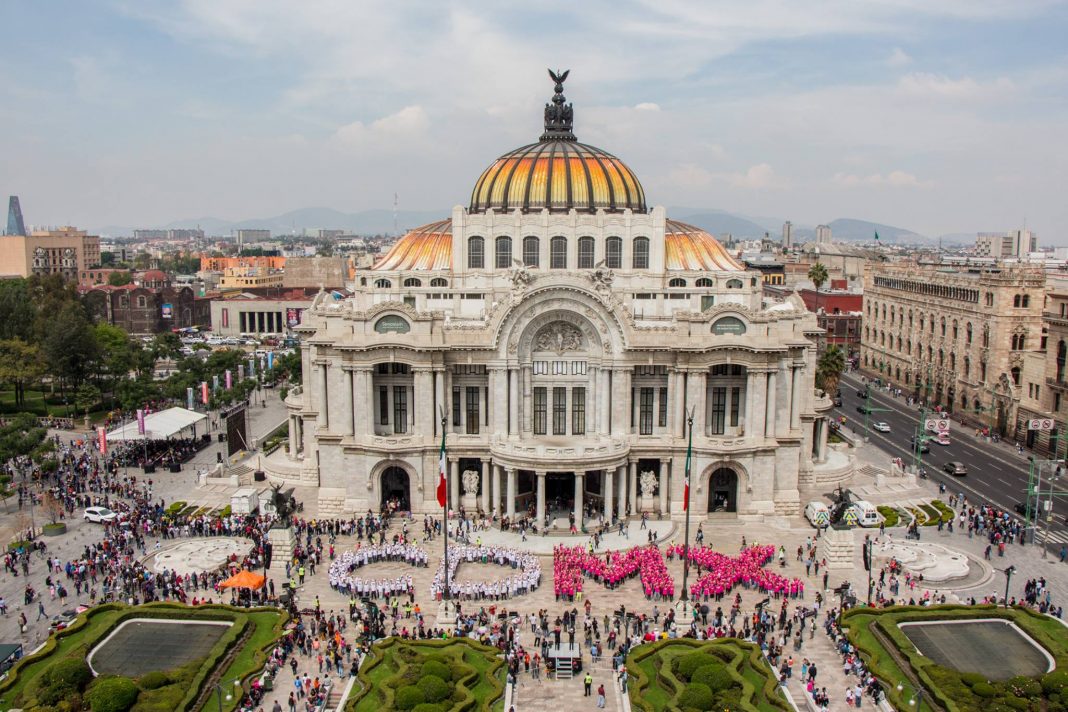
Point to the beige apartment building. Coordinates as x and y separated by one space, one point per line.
956 335
66 251
250 277
1044 392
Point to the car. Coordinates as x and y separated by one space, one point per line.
941 439
862 394
881 426
102 515
922 448
864 409
838 401
1022 509
955 467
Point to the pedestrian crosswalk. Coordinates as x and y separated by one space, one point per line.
1054 537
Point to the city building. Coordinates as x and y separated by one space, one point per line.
771 268
94 277
245 313
148 309
1044 392
65 251
15 223
787 235
249 277
823 235
1001 245
842 261
218 264
248 235
561 331
325 272
838 310
180 234
955 335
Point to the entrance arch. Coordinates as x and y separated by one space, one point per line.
723 490
395 489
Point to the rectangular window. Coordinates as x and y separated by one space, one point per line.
645 411
736 399
456 406
719 407
578 368
383 405
400 409
541 368
530 251
707 302
559 368
585 253
472 410
1056 402
539 411
578 411
663 405
559 411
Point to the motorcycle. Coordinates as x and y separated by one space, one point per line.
923 474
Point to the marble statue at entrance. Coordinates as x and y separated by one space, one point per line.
470 482
647 483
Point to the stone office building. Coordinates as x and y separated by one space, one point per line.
560 330
957 335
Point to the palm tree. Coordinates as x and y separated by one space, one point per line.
829 369
818 274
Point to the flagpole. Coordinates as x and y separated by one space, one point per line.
686 507
445 510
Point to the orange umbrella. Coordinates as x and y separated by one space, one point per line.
244 579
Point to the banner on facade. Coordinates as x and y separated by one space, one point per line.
140 421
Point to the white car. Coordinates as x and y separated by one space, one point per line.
881 427
941 439
100 514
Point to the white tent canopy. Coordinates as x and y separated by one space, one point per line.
158 426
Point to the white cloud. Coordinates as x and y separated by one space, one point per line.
409 123
925 84
893 179
898 58
757 177
647 106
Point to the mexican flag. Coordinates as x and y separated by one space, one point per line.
686 481
443 485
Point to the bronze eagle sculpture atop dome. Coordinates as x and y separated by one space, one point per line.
559 118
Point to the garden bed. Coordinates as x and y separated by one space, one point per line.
685 674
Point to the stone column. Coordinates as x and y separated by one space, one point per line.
795 398
605 402
592 393
622 508
621 404
292 436
696 395
511 491
498 390
663 487
350 423
608 495
673 394
421 409
495 489
454 484
755 427
579 486
540 511
823 440
769 419
363 412
324 398
513 401
439 399
525 399
485 486
632 486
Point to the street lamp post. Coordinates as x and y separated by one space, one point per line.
1008 578
219 693
917 698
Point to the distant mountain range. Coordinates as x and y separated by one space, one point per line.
718 222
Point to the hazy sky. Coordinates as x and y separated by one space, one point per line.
936 115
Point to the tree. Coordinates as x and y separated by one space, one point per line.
829 369
119 279
86 397
70 347
52 506
18 311
20 363
818 274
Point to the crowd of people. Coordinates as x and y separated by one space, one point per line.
341 578
725 572
526 579
572 564
160 453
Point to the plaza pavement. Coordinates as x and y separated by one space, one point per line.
724 535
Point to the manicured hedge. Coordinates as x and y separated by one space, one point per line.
952 690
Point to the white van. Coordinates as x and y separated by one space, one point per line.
866 514
817 514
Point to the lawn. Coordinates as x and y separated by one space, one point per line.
43 674
429 676
43 403
894 659
685 674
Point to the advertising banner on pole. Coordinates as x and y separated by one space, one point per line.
140 421
229 380
189 398
102 440
204 392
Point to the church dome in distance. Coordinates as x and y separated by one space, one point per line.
558 172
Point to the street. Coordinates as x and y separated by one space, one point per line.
996 473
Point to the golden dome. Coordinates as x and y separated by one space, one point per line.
689 249
558 172
425 248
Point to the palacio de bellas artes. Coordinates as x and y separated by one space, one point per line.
562 330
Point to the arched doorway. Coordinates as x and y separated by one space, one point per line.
723 491
395 488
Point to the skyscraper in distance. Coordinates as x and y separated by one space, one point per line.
15 225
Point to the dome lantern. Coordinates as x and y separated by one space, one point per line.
558 173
